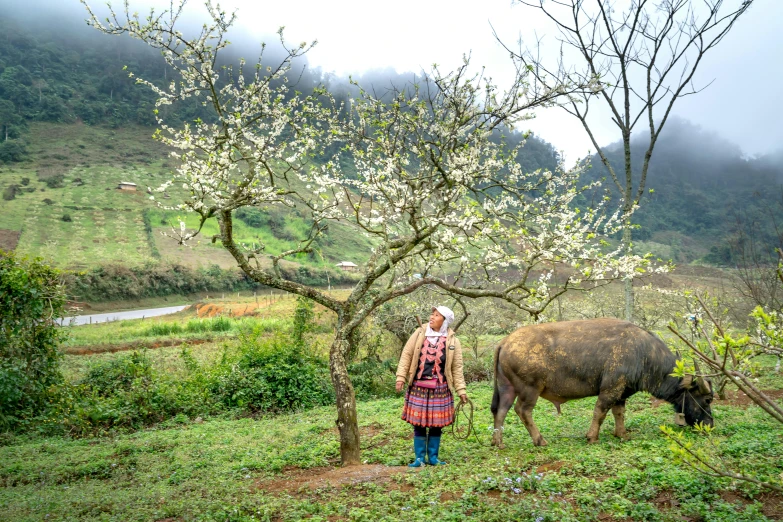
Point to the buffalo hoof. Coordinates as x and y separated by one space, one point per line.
621 436
592 441
540 442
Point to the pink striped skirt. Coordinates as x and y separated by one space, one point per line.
428 407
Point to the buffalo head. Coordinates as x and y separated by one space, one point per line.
694 400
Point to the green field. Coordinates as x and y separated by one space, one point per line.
173 451
282 468
85 220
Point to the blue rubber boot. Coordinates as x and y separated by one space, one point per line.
433 445
420 450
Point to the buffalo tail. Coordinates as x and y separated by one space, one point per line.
496 394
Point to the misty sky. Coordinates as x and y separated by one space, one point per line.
743 104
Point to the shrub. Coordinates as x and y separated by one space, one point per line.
33 298
272 375
303 319
477 369
123 392
108 378
373 378
67 218
9 194
55 181
12 151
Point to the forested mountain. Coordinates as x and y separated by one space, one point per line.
703 186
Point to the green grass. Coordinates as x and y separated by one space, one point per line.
219 470
155 329
107 224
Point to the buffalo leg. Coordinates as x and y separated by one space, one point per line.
618 410
599 414
609 396
506 397
524 409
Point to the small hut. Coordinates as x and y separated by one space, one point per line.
347 266
126 185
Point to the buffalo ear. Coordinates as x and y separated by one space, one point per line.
704 386
687 381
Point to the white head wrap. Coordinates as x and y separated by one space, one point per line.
448 317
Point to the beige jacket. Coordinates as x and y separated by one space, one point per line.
409 361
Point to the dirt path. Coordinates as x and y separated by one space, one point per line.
303 481
133 345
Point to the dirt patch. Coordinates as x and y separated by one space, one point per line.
655 403
208 310
366 433
771 503
732 497
737 398
8 239
665 500
550 466
295 481
135 345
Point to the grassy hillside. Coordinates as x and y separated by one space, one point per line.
66 206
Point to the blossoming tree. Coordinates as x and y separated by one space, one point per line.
443 203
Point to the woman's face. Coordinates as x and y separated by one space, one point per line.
436 320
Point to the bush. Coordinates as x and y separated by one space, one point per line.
9 194
12 151
373 378
122 392
477 369
33 298
116 375
272 375
55 181
67 218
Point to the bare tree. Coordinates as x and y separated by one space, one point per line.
758 263
645 57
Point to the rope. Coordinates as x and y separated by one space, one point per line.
459 432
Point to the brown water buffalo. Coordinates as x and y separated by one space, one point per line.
569 360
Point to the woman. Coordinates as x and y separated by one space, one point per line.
431 366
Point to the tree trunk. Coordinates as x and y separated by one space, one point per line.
628 282
347 421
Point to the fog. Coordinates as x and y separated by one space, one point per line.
385 44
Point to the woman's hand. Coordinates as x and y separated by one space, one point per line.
463 398
399 386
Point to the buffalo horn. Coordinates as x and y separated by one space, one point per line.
703 386
687 381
